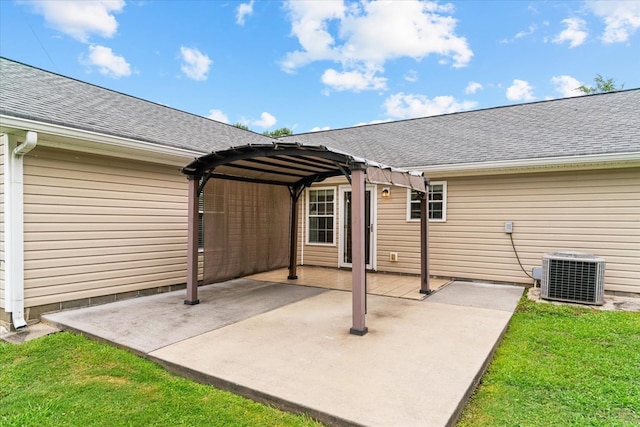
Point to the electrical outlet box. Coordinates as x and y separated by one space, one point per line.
536 272
508 227
393 256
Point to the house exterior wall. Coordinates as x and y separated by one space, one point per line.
594 211
587 211
97 226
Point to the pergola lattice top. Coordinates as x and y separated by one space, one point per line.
294 165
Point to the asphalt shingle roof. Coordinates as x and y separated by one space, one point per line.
32 93
594 124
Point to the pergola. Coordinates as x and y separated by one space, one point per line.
297 166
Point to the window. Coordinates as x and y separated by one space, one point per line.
201 221
437 204
321 215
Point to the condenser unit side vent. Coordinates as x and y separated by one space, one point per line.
573 277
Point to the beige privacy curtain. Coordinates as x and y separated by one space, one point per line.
246 228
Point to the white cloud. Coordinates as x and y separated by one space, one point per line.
319 129
472 88
575 33
309 24
520 34
372 122
353 80
566 86
196 64
622 18
266 121
411 76
218 116
406 106
362 36
80 19
520 90
108 63
244 10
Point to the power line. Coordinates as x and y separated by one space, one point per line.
42 46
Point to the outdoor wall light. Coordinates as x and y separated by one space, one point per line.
386 192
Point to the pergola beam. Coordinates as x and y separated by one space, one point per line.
358 272
293 236
424 240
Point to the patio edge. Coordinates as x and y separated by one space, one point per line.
255 395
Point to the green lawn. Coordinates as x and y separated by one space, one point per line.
562 366
556 366
68 380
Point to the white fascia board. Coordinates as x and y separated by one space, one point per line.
592 161
99 143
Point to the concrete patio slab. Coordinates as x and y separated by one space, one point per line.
481 295
148 323
416 366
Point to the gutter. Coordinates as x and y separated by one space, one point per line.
14 226
58 136
590 161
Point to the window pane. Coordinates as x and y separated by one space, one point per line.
321 216
436 201
415 211
201 221
414 205
435 210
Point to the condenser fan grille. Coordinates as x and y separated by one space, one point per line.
566 277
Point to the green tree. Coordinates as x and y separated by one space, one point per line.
242 126
277 133
602 85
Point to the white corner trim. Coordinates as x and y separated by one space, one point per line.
14 224
591 161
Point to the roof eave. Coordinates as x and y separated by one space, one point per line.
81 140
591 161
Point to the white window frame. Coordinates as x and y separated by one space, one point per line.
444 203
308 216
201 222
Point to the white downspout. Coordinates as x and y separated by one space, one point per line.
14 226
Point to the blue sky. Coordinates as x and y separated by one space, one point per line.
310 65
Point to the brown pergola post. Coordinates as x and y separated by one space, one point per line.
358 288
424 240
192 242
293 238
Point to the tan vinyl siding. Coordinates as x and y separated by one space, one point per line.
2 179
395 234
97 225
588 211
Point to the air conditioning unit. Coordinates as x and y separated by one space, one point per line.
573 277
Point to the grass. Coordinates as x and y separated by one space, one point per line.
68 380
556 366
562 366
